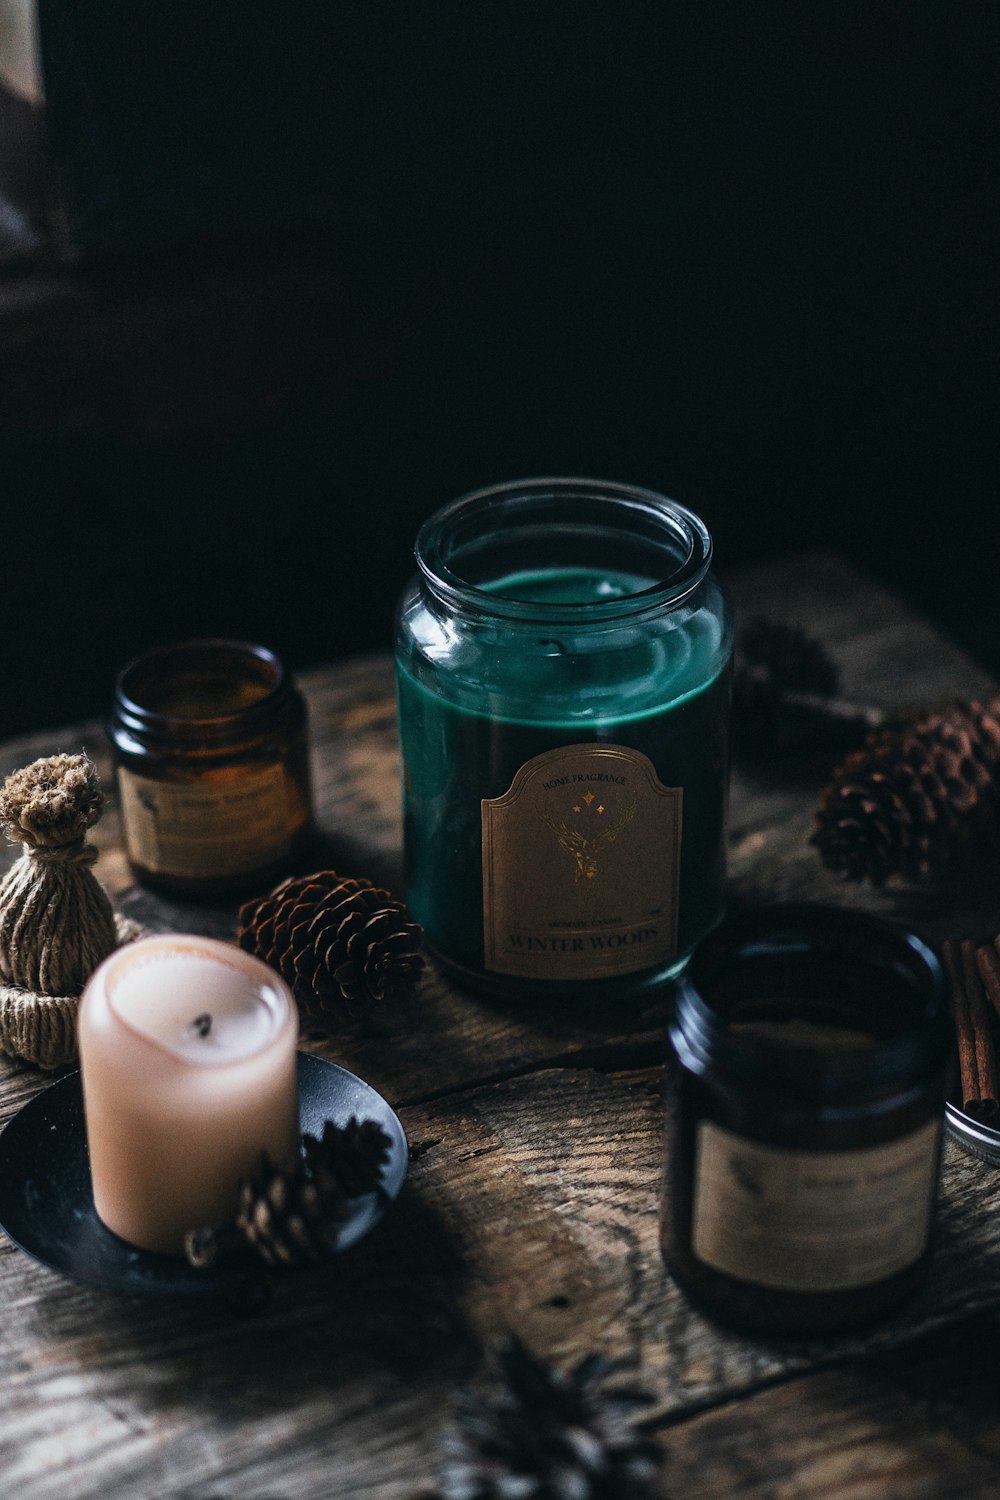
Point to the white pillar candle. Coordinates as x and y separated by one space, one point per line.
188 1067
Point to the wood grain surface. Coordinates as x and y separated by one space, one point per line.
531 1203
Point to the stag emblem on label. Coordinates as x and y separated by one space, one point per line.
593 827
581 859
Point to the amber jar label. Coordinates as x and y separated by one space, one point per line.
216 830
580 866
812 1221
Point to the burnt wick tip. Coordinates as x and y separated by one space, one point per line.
201 1025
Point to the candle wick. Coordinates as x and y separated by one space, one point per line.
202 1024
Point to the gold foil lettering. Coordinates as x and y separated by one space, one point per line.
580 866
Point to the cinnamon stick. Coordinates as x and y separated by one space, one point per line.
988 964
976 1053
986 1060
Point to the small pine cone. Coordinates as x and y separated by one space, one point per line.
290 1218
785 656
341 944
784 682
920 795
548 1435
352 1155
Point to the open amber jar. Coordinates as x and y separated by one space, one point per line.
211 753
804 1108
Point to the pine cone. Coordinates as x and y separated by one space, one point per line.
784 656
919 797
286 1217
353 1155
292 1217
549 1435
340 944
784 696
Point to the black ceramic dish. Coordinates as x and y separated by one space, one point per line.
47 1206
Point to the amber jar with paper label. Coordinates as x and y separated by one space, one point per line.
562 659
804 1099
211 754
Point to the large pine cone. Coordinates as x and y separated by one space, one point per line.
340 944
920 795
544 1435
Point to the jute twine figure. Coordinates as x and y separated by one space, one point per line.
56 920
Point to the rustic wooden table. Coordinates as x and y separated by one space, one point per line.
530 1206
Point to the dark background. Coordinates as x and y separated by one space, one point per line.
303 274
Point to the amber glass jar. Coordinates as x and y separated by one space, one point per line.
211 754
804 1095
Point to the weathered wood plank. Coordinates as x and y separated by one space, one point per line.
532 1202
531 1207
590 1145
920 1424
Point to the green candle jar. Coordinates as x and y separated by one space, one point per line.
563 671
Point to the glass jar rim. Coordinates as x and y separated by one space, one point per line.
815 929
132 711
646 510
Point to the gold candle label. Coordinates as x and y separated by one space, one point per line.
580 866
218 830
812 1221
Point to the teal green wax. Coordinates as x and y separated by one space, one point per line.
470 719
568 585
